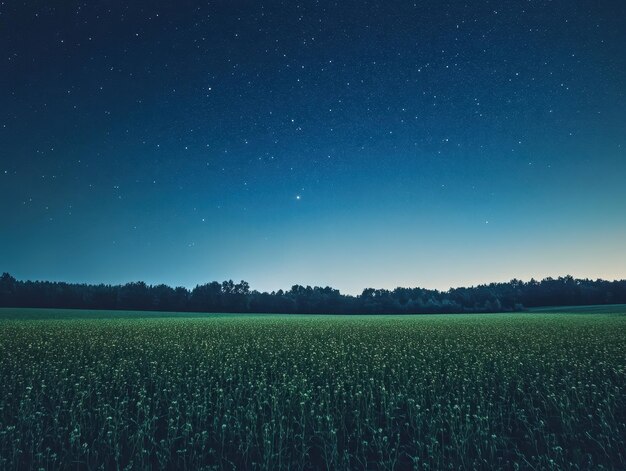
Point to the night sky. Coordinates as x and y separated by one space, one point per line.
352 144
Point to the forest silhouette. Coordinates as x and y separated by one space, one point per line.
229 296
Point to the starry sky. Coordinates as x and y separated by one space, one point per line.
353 144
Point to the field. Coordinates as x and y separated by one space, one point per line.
93 390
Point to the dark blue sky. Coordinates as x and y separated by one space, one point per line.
352 144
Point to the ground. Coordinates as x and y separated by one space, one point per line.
127 390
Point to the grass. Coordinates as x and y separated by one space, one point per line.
93 390
614 309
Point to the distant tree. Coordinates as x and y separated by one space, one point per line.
229 296
7 289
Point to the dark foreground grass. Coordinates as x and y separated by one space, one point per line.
514 391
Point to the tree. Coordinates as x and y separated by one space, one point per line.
7 289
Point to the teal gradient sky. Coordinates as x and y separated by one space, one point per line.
297 143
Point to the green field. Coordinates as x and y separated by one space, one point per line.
94 390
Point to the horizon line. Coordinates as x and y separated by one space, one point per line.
191 288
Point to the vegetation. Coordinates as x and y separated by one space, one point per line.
238 297
514 391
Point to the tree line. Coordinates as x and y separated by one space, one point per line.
228 296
